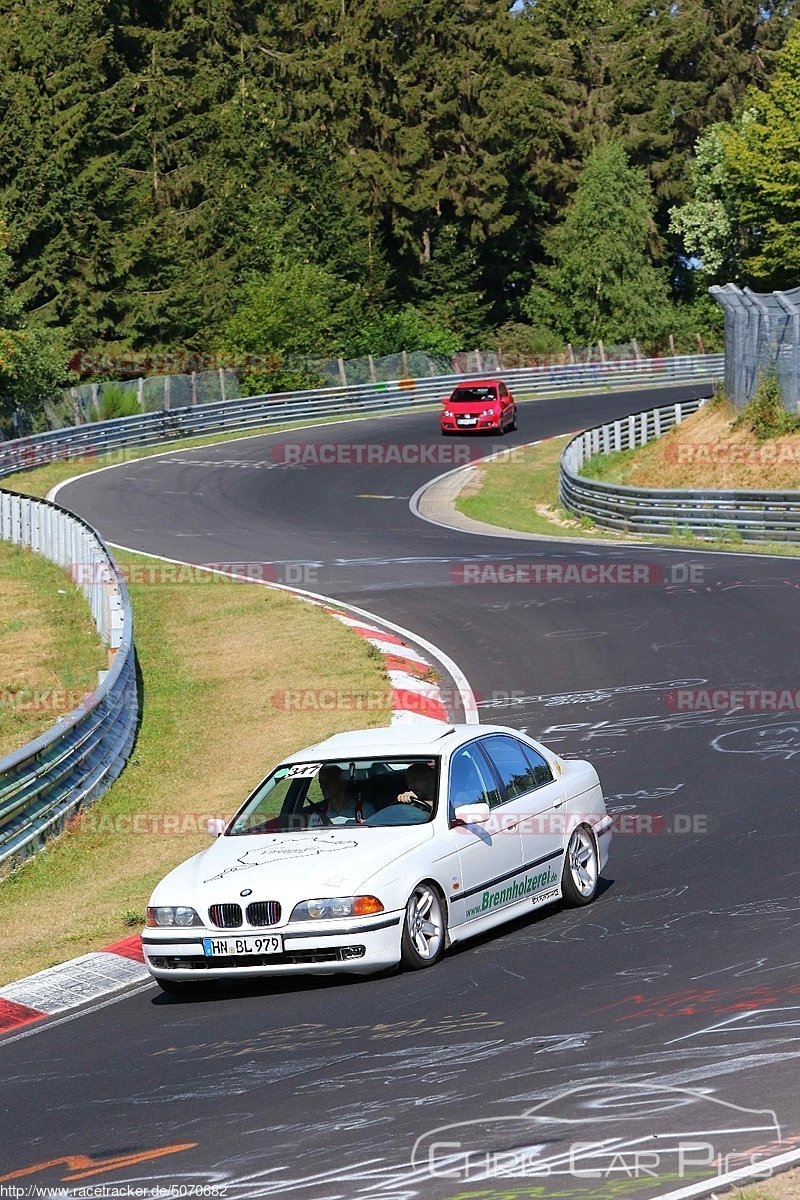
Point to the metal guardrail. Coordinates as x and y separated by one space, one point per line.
45 782
752 515
157 428
762 337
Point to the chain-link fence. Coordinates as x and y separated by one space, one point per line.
179 387
762 337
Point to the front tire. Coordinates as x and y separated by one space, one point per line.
424 928
581 868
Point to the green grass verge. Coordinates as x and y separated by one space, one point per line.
215 657
521 493
50 651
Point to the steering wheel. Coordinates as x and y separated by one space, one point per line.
423 804
317 810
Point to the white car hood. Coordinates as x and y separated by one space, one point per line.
288 867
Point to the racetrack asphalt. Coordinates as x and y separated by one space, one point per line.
645 1024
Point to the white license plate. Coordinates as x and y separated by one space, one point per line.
466 420
229 946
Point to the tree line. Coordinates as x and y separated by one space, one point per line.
337 177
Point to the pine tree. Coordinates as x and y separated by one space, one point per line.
601 283
762 161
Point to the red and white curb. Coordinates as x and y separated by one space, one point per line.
415 693
412 695
71 984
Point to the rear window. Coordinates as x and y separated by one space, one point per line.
473 395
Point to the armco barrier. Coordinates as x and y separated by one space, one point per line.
69 766
753 515
156 428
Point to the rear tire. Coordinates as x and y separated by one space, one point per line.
424 928
513 425
581 872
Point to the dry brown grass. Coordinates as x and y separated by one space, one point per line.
50 651
705 451
212 657
782 1187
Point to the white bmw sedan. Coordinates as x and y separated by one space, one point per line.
379 847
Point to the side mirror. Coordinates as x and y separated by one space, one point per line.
216 826
472 814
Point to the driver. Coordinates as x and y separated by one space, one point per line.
421 780
337 807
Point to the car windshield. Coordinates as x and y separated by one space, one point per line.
365 791
473 395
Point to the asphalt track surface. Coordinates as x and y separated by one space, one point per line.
635 1023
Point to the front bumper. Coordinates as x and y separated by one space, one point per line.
367 946
485 424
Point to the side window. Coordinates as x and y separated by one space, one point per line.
512 765
470 779
540 767
503 390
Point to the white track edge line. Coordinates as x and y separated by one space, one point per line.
212 445
466 693
742 1175
44 1023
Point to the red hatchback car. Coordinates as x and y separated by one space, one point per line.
481 404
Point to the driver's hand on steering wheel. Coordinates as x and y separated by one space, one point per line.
411 798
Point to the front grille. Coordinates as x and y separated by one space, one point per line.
264 912
195 962
226 916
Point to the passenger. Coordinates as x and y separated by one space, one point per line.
421 781
338 807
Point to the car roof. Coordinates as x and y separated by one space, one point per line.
423 736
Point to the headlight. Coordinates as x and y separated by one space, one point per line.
169 915
336 906
489 412
447 413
